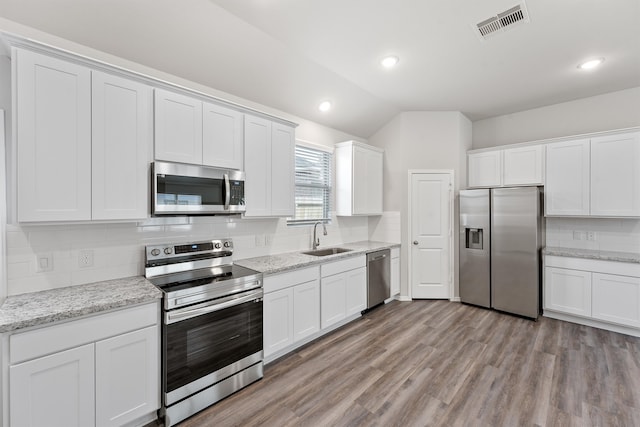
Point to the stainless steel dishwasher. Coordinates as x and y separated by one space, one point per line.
378 277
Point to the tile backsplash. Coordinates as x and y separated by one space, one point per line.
117 250
606 234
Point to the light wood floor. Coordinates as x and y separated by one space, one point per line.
447 364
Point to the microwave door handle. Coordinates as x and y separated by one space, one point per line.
227 192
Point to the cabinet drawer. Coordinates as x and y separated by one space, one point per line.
285 280
343 265
52 339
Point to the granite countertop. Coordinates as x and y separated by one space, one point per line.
279 263
39 308
593 254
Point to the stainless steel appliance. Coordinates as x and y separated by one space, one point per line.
501 235
378 277
212 324
182 189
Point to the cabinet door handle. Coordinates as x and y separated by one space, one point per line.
415 242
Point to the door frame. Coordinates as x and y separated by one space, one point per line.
410 174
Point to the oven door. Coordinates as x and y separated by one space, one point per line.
208 342
182 189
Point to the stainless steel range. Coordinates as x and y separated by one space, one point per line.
212 324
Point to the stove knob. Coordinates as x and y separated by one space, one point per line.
227 244
217 245
155 252
168 251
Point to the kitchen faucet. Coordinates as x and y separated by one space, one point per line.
316 241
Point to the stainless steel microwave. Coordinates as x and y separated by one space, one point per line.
183 189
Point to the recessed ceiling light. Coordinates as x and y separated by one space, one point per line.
390 61
591 64
324 106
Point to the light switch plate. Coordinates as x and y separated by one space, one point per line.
44 262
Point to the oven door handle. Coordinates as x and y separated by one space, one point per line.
180 315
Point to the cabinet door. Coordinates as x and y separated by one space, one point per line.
332 299
127 377
55 390
282 170
178 128
567 291
375 183
222 137
278 321
355 291
616 299
122 141
485 169
567 178
615 175
523 165
257 164
53 100
360 201
306 309
395 276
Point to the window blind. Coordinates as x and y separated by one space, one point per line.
313 185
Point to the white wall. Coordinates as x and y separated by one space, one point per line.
418 140
615 110
119 248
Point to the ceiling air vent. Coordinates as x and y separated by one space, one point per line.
503 21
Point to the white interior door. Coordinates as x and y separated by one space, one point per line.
430 233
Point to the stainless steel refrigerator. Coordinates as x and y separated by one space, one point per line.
501 236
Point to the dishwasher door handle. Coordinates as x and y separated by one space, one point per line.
378 257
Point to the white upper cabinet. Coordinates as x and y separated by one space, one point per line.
359 179
567 181
122 137
615 175
594 177
84 142
523 165
222 137
507 167
269 167
485 169
53 100
202 133
178 127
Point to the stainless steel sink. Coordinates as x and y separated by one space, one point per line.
327 251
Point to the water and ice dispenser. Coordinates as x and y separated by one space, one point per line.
473 238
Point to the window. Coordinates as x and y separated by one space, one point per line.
313 185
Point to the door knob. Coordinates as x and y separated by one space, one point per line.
415 242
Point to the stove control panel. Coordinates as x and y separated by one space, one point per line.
211 248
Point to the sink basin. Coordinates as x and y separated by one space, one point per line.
325 252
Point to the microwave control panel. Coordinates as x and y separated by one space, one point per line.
236 196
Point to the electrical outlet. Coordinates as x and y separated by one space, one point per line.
577 235
85 258
591 235
259 240
268 239
44 262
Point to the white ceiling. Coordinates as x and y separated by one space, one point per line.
292 54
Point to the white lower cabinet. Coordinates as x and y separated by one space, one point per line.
395 271
616 299
598 293
55 390
568 291
98 371
343 289
127 381
291 309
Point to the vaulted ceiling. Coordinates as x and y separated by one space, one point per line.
293 54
